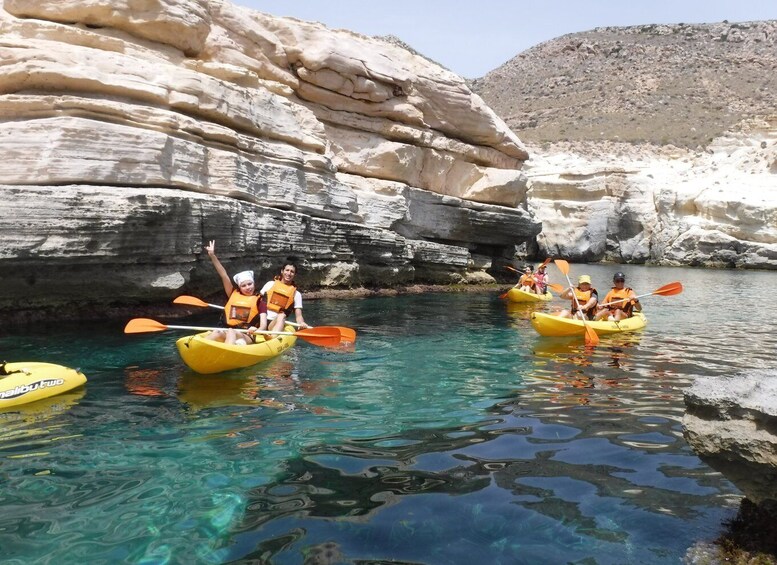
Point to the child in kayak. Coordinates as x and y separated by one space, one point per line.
527 282
244 308
540 279
583 294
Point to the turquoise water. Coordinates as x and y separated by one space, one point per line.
451 432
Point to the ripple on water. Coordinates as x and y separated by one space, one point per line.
450 430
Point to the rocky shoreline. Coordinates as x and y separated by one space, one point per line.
350 293
731 424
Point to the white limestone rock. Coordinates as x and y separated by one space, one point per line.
166 123
184 24
640 204
731 423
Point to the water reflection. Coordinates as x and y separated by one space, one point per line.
145 382
452 431
29 430
577 489
520 313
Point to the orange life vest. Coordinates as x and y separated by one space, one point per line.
621 299
526 280
280 297
582 298
241 309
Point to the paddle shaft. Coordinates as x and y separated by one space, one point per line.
245 330
623 300
346 334
202 303
591 338
574 297
666 290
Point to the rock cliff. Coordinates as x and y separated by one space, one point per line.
654 143
134 131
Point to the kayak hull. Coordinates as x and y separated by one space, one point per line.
554 326
30 381
518 295
206 356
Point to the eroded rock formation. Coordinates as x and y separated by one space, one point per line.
135 131
731 423
672 206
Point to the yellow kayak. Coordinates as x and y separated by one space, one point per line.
517 295
207 356
553 326
24 382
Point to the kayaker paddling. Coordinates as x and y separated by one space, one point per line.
527 283
244 308
620 303
540 279
583 294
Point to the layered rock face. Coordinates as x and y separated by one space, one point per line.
662 205
732 425
135 131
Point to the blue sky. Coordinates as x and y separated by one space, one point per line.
474 37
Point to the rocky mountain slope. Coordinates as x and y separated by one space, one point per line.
649 144
664 84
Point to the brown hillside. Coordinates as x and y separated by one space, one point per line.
665 84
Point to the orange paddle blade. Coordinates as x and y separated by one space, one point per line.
590 335
546 262
346 334
555 287
562 265
143 325
190 301
321 336
669 289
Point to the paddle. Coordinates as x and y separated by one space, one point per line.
669 289
326 337
194 301
590 334
346 334
504 294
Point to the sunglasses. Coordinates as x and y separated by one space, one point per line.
619 280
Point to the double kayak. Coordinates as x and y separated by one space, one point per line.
554 326
207 356
515 294
25 382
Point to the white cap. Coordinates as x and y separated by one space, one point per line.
243 276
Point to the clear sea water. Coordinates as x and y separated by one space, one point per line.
450 434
